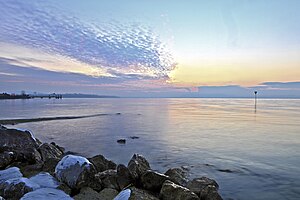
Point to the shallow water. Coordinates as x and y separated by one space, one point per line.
252 154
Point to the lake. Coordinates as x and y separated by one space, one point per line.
252 153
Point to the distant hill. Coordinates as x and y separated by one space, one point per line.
78 95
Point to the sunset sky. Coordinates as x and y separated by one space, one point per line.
139 48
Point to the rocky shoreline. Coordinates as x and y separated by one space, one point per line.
30 169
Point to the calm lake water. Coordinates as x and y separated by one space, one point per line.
252 154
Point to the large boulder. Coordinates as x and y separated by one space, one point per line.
102 164
108 179
46 193
178 176
108 194
21 143
138 165
172 191
76 172
124 177
49 151
87 193
15 188
198 184
210 192
153 181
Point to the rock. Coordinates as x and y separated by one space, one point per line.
178 176
21 143
5 159
31 170
124 177
210 192
50 151
10 173
46 193
75 171
138 165
153 181
121 141
59 147
198 184
172 191
102 164
87 193
139 194
65 188
45 180
108 179
108 194
50 164
15 188
134 137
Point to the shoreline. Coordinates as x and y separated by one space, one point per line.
32 162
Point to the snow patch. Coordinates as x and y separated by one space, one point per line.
46 193
123 195
45 180
10 173
26 181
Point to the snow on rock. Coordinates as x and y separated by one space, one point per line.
10 173
123 195
45 180
46 193
71 168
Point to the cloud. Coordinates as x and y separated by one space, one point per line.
118 49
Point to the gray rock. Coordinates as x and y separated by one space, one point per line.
172 191
31 170
10 173
76 172
50 151
124 177
15 188
65 188
138 165
46 193
153 181
102 164
21 143
87 193
178 176
50 164
210 192
139 194
108 194
5 159
198 184
108 179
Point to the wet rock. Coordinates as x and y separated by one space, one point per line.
65 188
102 164
121 141
138 165
5 159
21 143
50 164
49 151
153 181
210 192
87 193
198 184
172 191
15 188
46 193
178 176
10 173
134 137
108 179
124 177
45 180
139 194
108 194
75 171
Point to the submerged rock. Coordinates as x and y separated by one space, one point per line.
121 141
138 165
87 193
46 193
153 181
75 171
15 188
198 184
178 176
49 151
108 194
101 163
172 191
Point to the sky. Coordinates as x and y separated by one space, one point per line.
140 48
